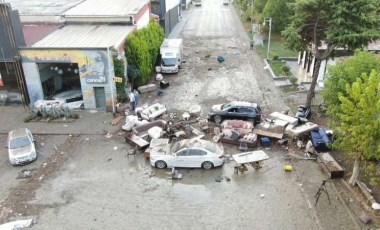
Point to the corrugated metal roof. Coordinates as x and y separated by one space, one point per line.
35 32
106 8
86 36
77 7
42 7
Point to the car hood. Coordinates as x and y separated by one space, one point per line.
21 151
216 108
161 150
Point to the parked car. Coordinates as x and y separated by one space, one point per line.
239 110
72 99
21 148
188 153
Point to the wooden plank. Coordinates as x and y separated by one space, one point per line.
247 157
330 165
364 189
136 140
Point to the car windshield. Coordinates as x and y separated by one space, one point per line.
175 147
210 146
19 142
169 61
224 106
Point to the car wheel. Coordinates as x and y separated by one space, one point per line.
207 165
217 119
161 164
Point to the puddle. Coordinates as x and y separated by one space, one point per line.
193 193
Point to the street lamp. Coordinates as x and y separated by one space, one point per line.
270 28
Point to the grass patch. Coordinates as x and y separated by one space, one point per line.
279 68
277 48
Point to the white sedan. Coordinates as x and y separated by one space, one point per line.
21 149
188 153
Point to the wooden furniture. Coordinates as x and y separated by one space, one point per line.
327 162
136 141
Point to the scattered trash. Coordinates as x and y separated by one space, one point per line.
55 147
227 178
376 206
108 135
25 173
109 159
41 177
176 174
87 139
42 144
288 168
365 219
220 59
116 120
18 224
219 178
44 165
93 111
115 148
152 174
65 126
262 195
186 116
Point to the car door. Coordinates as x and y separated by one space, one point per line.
181 158
196 157
245 113
232 113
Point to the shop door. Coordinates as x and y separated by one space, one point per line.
100 97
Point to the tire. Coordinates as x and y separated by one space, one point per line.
217 119
207 165
161 164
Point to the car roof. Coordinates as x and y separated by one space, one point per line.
18 133
243 103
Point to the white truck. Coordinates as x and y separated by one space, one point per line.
171 55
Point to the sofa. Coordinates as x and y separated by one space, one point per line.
229 140
243 127
153 111
320 139
143 129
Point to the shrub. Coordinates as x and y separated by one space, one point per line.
275 57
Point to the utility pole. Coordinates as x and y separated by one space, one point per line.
269 20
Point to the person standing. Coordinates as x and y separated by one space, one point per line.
136 94
132 100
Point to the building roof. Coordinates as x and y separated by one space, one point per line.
106 8
77 7
86 36
35 32
42 7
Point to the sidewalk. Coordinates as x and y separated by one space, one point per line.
89 122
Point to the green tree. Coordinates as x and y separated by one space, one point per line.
346 24
141 49
358 132
346 72
280 13
119 67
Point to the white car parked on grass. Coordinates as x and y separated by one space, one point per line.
188 153
21 148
